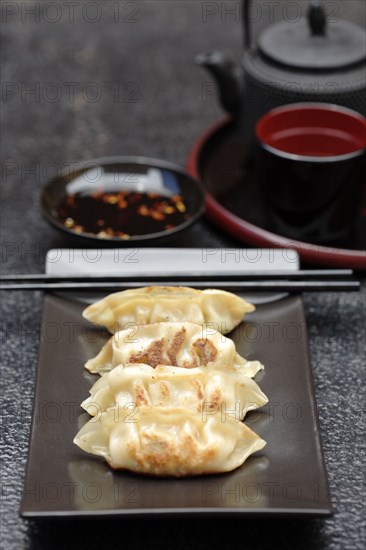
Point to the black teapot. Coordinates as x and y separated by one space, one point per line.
312 60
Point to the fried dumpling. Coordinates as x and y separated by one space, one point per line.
178 344
203 389
168 442
156 304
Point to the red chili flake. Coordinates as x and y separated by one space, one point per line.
157 215
96 195
121 214
110 199
143 210
169 210
122 203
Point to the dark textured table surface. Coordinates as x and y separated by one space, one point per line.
75 89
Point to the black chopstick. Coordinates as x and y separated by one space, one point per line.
255 286
313 275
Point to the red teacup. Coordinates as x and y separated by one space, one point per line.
312 163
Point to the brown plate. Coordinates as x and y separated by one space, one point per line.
287 477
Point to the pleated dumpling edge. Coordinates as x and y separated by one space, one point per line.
220 308
168 442
210 389
185 345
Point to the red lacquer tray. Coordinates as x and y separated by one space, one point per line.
234 201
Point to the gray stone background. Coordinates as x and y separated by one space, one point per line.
150 102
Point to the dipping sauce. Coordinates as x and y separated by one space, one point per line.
121 214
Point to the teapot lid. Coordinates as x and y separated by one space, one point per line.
314 44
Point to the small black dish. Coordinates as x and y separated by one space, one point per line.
119 201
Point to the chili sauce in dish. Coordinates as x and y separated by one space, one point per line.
121 214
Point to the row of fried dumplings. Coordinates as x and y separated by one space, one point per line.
173 392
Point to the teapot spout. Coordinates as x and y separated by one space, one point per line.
228 76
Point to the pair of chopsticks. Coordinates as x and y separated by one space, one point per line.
276 281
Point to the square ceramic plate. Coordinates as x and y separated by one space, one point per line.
287 477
